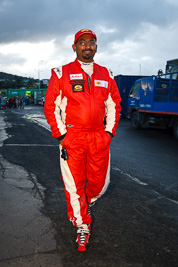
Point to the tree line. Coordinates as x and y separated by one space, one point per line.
14 81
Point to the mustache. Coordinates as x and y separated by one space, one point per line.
85 50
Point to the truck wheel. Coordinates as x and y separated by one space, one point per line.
135 121
175 128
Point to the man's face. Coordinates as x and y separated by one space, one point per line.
85 48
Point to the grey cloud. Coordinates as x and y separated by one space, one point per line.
116 22
11 59
38 20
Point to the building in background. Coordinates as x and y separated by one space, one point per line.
172 66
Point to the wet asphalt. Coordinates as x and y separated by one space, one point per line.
135 222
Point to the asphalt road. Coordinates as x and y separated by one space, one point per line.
135 222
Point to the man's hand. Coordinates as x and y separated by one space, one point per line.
110 135
61 141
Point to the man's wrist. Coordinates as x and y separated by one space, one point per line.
61 138
110 134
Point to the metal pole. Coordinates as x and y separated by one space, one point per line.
39 72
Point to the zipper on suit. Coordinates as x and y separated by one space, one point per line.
89 82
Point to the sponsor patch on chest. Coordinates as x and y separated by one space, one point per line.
78 88
77 85
101 83
77 76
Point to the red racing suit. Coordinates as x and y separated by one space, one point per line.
76 107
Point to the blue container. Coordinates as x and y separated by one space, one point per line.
124 84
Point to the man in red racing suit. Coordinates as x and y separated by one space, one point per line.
81 96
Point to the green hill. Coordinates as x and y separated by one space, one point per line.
10 77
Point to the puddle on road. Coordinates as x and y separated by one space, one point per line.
13 174
17 176
3 134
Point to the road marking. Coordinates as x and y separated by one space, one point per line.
141 183
47 127
129 176
161 197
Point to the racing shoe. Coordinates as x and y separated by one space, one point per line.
83 234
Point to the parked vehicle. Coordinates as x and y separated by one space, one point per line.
154 101
124 84
3 102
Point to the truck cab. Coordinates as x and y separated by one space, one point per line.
134 97
154 100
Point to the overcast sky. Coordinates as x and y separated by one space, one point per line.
134 36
